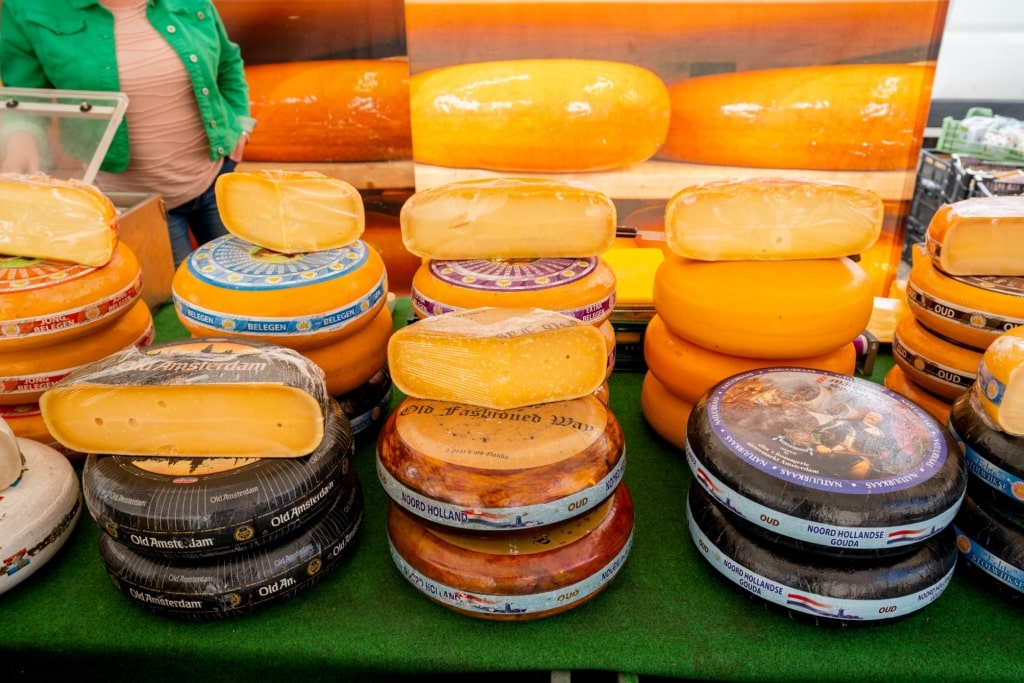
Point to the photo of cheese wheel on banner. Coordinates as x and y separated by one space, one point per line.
994 458
238 584
990 537
825 460
383 232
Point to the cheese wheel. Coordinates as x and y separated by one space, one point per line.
772 218
896 380
231 287
581 288
688 370
764 309
508 218
1000 381
503 115
825 460
351 361
994 458
515 575
37 513
58 220
290 211
498 357
367 405
10 456
634 270
329 110
665 412
25 374
848 117
978 236
970 310
208 397
991 542
936 364
45 302
469 467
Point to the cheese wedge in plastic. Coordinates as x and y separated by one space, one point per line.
1000 381
498 357
58 220
978 236
290 211
508 218
772 219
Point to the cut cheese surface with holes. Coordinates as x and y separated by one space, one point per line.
1000 381
60 220
205 397
936 364
290 211
772 218
498 357
508 218
978 236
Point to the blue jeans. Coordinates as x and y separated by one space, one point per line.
200 215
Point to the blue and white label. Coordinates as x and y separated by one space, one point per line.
992 565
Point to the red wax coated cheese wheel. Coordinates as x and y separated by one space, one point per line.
45 302
504 115
936 364
764 309
936 406
832 117
521 575
665 412
353 360
688 370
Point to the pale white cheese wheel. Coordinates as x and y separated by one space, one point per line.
10 456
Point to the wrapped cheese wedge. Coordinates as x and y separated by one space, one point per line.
1000 381
498 357
772 219
58 220
978 236
290 211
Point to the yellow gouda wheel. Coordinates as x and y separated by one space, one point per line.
353 360
978 236
1000 382
937 406
665 412
936 364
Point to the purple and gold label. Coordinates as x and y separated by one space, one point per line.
512 274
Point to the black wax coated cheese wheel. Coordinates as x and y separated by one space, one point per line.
993 456
182 507
238 584
828 590
366 406
990 536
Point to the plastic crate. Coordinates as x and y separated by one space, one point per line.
956 138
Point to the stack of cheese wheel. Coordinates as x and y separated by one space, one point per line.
513 243
988 422
503 469
823 494
965 288
70 292
295 272
219 472
757 274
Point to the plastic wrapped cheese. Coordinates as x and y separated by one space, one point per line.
508 218
1000 381
59 220
772 218
498 357
978 236
290 211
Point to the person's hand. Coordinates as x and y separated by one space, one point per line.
239 151
21 154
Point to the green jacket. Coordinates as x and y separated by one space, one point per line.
69 45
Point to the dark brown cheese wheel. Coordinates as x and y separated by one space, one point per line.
515 575
238 584
825 459
838 590
201 507
990 537
993 457
366 406
470 467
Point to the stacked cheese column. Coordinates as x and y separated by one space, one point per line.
503 469
756 275
988 422
219 472
294 272
965 288
513 243
70 293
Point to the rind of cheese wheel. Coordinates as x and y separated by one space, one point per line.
367 405
829 117
772 218
498 357
351 361
205 397
504 115
1000 381
581 288
45 302
515 575
764 309
978 236
54 219
991 541
994 458
688 369
937 406
490 218
665 412
25 374
290 211
10 456
936 364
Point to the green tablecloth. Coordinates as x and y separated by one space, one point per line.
668 613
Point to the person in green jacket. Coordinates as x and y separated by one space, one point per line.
187 119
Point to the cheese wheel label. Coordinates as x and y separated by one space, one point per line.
990 536
936 376
990 563
970 317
